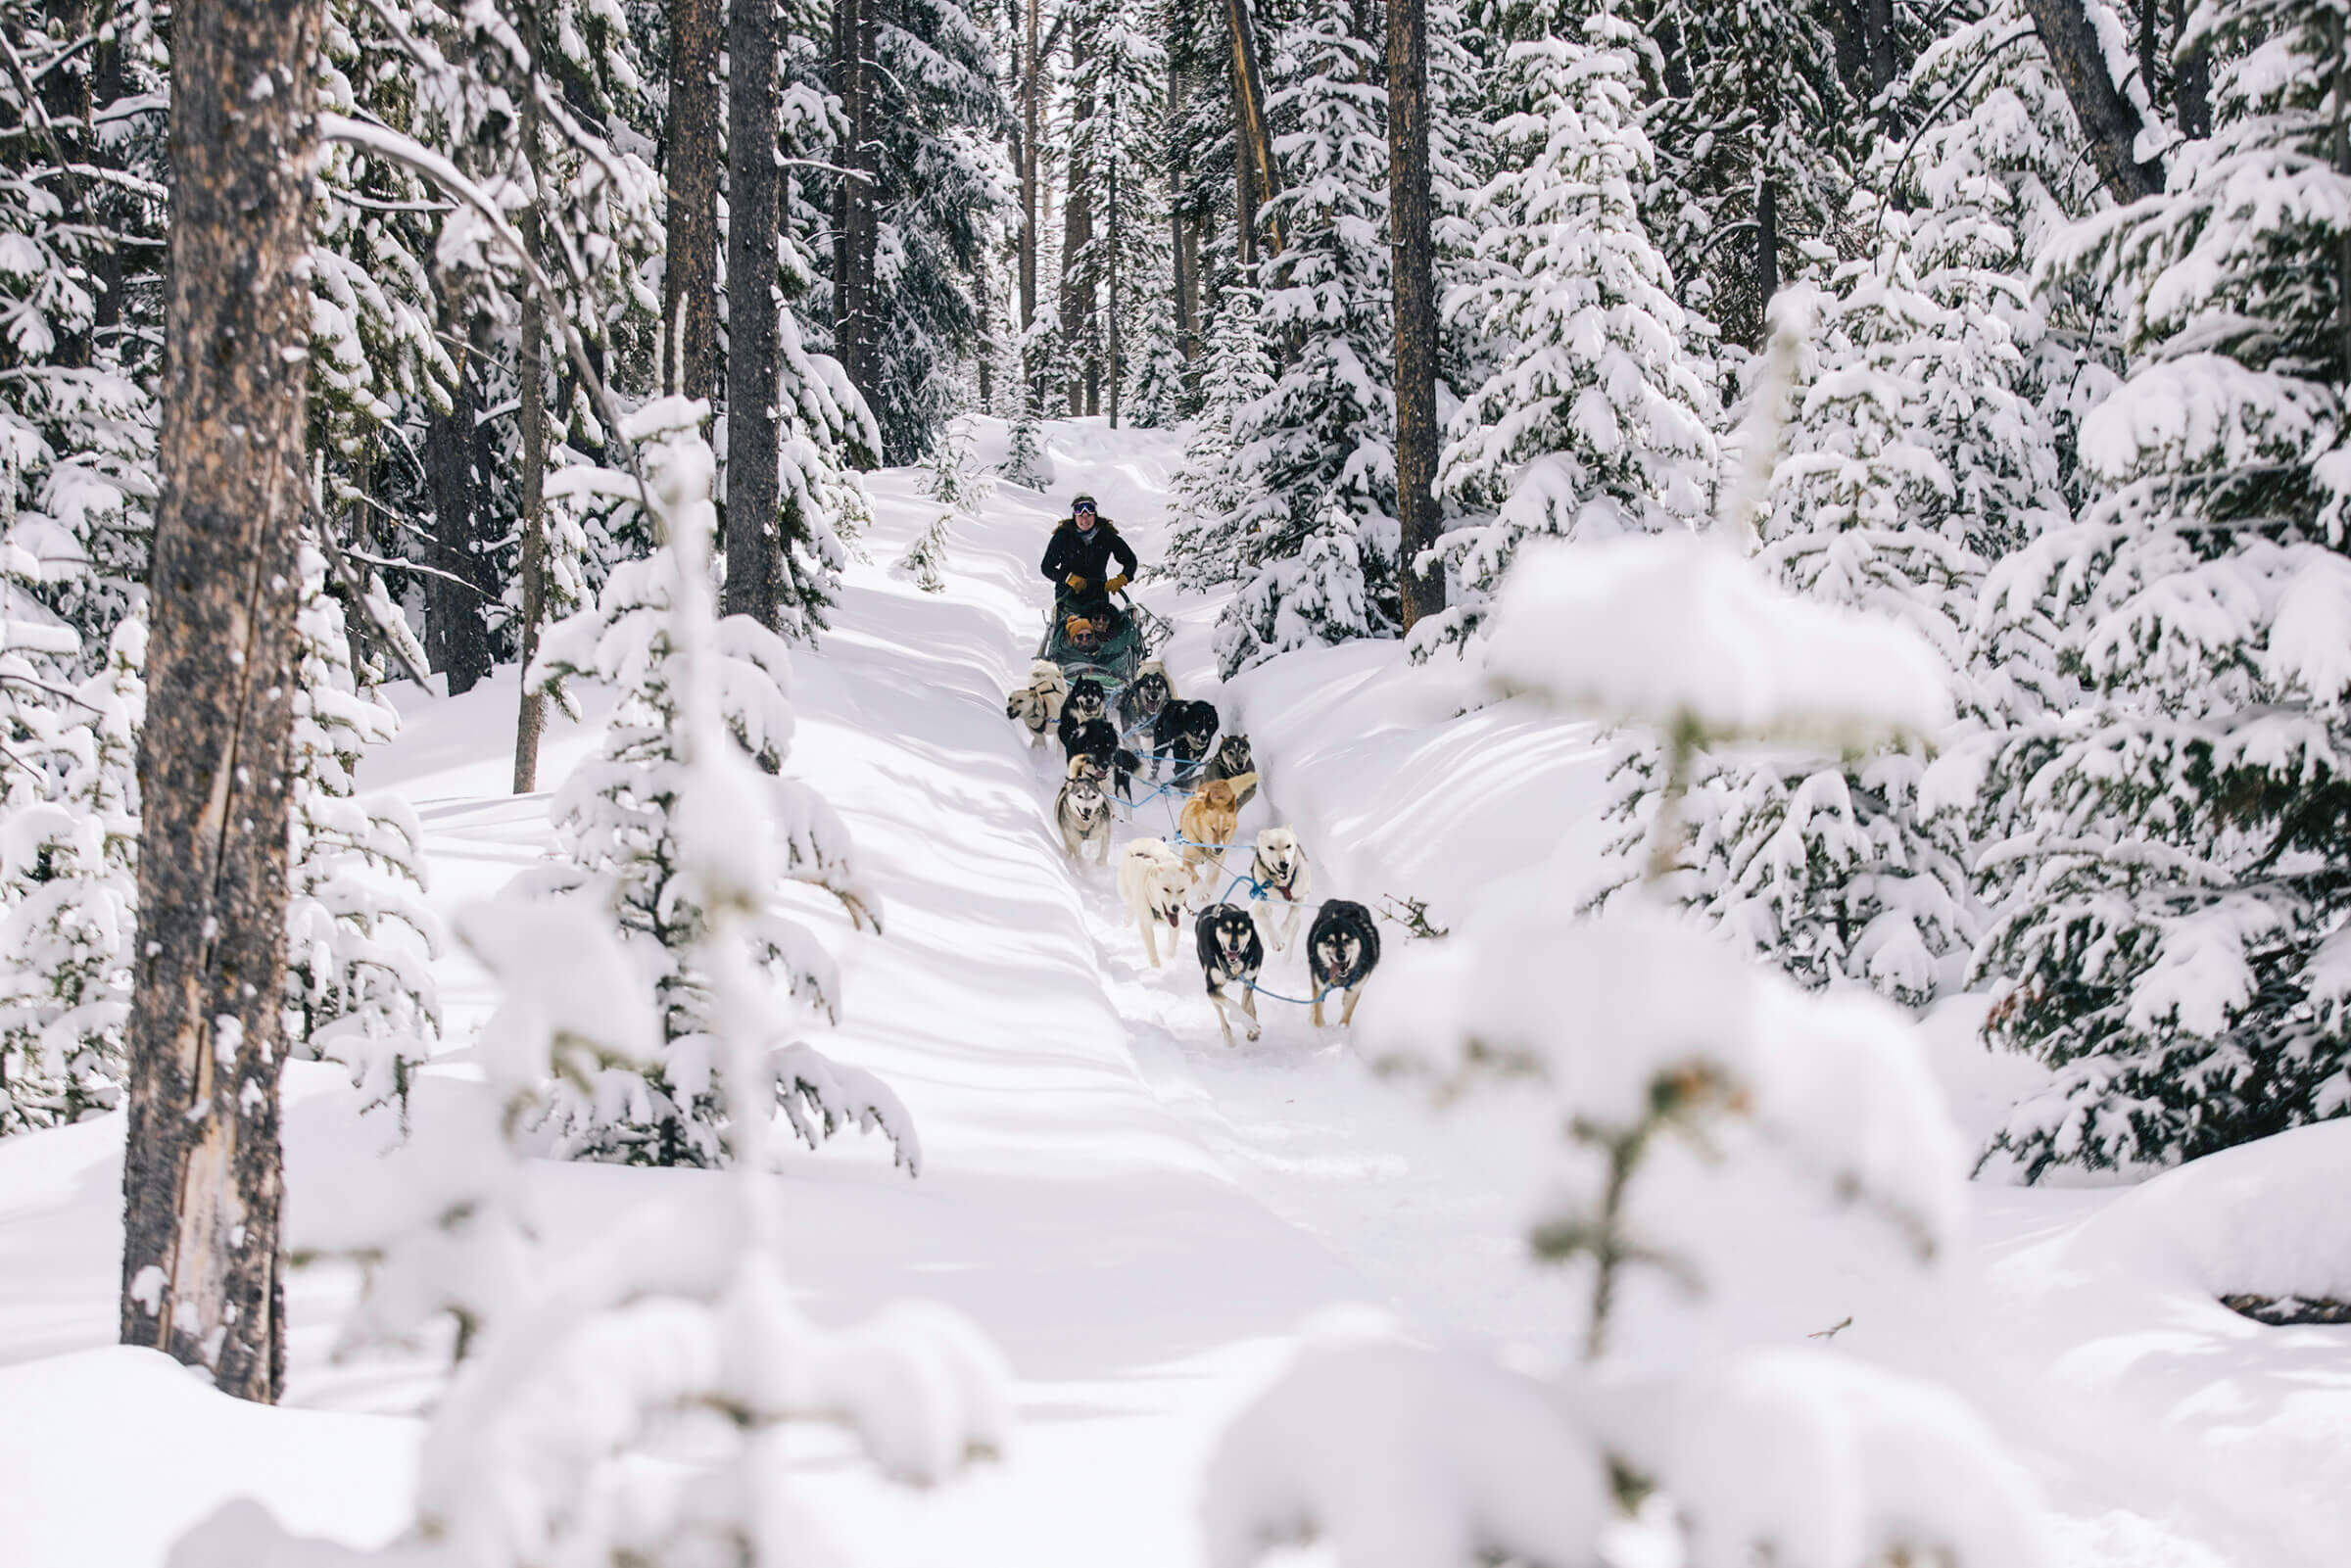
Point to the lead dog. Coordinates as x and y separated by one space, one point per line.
1282 879
1231 953
1155 884
1149 692
1209 820
1342 949
1233 759
1082 813
1038 705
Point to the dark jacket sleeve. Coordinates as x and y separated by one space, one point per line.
1056 564
1123 551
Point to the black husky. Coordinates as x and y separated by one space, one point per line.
1086 702
1230 954
1149 692
1233 759
1096 740
1183 734
1342 949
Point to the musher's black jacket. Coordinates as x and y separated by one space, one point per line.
1068 553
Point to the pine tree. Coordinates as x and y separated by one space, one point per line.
358 940
1592 420
621 848
2169 937
1320 448
1214 487
69 881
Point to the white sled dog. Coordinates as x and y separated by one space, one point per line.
1282 879
1155 884
1038 705
1081 811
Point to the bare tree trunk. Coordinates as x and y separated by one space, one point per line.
1116 346
1878 36
752 436
2107 117
530 373
1030 91
1767 250
456 639
856 224
1414 285
1079 329
1253 139
203 1177
690 267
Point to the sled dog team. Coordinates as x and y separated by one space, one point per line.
1160 882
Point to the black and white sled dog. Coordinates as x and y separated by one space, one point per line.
1282 879
1342 949
1155 882
1036 706
1149 692
1081 811
1230 954
1233 759
1083 704
1182 734
1095 743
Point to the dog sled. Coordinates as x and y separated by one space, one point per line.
1101 641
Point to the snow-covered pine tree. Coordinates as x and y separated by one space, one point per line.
1592 419
1318 450
68 879
2172 932
1213 489
360 987
620 847
1917 458
1114 157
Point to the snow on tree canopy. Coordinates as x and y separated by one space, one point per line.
1678 630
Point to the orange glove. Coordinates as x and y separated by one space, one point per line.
1116 583
1077 583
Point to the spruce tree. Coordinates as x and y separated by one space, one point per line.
2169 938
1214 489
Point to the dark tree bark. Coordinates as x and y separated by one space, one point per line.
690 269
856 223
1414 284
1184 294
1079 327
753 213
1768 252
2106 117
1110 320
530 372
456 639
1878 41
1253 138
1030 109
202 1172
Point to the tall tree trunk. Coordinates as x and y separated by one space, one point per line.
65 105
1411 222
856 222
752 213
1081 331
1030 90
1767 250
203 1177
1253 138
1182 297
107 88
456 639
690 267
1110 319
1880 43
530 374
2107 117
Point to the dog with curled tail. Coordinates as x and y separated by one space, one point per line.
1210 818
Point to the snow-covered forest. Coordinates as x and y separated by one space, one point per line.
1656 876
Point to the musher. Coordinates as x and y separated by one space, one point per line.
1078 564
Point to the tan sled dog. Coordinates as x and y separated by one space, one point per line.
1211 817
1038 705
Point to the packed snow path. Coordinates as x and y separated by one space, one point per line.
1141 1218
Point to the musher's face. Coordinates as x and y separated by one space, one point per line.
1085 517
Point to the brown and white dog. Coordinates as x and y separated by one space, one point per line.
1211 817
1038 705
1081 811
1282 879
1155 882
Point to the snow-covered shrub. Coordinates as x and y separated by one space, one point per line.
1648 1037
674 1330
1592 420
2171 907
68 879
621 846
359 941
1214 489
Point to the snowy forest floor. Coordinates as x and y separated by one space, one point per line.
1142 1218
